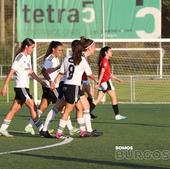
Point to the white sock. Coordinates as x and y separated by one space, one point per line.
81 123
69 123
31 122
51 115
5 124
87 120
62 125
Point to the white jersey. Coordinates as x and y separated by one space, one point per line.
22 66
51 62
74 72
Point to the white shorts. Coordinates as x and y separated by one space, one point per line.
86 82
105 86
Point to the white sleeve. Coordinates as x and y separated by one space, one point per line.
47 64
62 70
30 64
87 68
17 62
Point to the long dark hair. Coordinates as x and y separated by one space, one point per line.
102 54
86 42
25 42
77 50
53 44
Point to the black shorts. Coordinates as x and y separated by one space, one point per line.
81 93
60 90
71 93
49 95
106 86
22 94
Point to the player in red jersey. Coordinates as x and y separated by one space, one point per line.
105 83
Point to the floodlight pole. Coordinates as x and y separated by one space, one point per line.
35 70
103 24
13 31
160 43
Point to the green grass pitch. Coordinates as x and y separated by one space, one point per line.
147 128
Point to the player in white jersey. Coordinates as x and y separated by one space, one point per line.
73 67
22 68
89 49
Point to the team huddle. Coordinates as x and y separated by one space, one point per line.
64 86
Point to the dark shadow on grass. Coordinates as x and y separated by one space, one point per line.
136 124
23 134
15 133
97 162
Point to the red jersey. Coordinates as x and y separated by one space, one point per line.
106 65
84 77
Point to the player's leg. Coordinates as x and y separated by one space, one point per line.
87 117
71 94
112 94
90 98
86 113
63 121
80 119
42 107
33 111
16 106
98 100
50 116
86 87
45 101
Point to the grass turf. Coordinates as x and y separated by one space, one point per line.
146 128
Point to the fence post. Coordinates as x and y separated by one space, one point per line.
131 89
7 97
134 91
1 69
161 63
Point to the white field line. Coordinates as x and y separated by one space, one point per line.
65 141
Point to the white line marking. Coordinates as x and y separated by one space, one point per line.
65 141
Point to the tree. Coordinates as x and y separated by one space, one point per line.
2 32
165 19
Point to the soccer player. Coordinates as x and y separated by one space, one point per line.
89 49
22 68
105 83
73 67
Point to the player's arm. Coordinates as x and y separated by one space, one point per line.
101 75
116 78
60 74
51 70
88 71
6 83
45 73
92 77
58 78
35 77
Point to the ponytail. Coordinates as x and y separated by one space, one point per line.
53 44
86 43
25 42
77 50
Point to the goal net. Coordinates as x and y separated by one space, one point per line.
145 67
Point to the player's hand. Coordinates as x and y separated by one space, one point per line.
4 91
121 81
97 86
56 85
52 85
